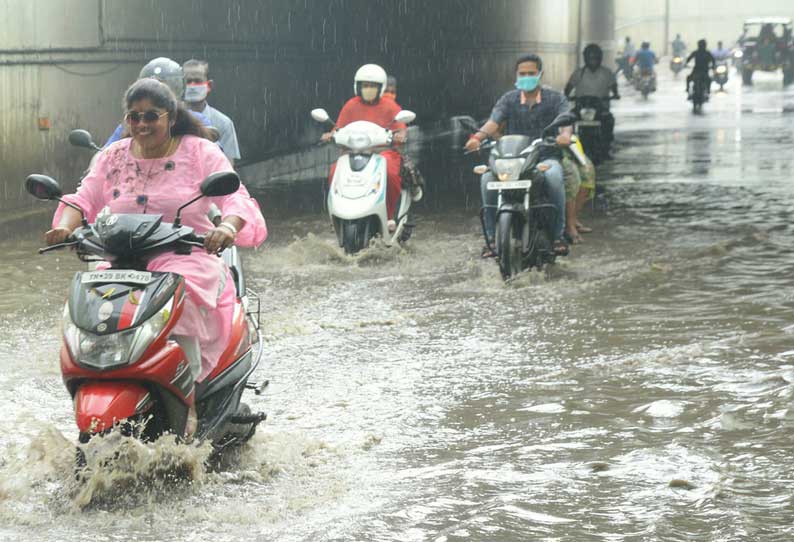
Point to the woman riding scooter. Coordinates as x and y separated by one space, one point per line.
369 84
154 172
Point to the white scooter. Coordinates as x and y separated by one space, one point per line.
357 195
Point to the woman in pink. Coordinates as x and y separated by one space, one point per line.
155 171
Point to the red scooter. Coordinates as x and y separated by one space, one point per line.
119 362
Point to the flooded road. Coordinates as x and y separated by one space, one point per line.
642 390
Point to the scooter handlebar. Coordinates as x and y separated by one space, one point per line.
57 246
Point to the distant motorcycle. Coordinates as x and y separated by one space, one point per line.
676 65
721 74
645 82
700 94
357 195
525 216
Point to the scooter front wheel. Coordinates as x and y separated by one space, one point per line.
355 235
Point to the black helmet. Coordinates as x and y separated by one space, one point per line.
593 50
169 72
702 44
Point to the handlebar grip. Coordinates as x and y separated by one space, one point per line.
57 247
194 239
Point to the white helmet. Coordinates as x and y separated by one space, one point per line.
370 73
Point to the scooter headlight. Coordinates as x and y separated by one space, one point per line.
738 54
508 169
114 350
359 141
720 70
677 60
588 114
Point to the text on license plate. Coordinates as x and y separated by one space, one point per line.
509 185
117 275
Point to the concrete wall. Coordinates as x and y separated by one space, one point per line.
713 20
69 61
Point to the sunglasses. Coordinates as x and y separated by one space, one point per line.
134 117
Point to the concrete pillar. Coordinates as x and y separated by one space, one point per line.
598 26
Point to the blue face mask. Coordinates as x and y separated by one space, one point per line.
528 83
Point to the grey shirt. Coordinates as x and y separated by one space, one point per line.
587 82
225 127
531 118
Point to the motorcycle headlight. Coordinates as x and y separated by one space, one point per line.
738 54
508 169
115 349
720 69
588 114
677 60
359 141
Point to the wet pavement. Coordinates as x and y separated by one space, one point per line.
641 390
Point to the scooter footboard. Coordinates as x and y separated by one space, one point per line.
99 405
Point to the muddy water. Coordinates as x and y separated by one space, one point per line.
642 390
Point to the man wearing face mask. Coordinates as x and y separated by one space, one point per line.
527 110
594 80
197 86
368 104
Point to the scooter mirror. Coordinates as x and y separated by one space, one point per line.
480 170
320 115
221 183
43 187
405 116
82 138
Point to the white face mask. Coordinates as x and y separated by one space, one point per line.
196 92
369 94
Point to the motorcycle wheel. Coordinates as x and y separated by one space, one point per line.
354 235
508 247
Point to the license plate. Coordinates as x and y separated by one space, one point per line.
117 275
509 185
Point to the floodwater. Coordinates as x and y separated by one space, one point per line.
642 390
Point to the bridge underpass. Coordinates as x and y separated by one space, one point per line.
272 62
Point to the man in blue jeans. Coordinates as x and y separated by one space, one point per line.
527 110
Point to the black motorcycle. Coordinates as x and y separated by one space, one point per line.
700 93
525 216
591 113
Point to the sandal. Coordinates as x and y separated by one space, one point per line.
572 239
583 229
561 248
487 252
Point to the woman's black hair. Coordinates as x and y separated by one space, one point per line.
530 58
184 122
